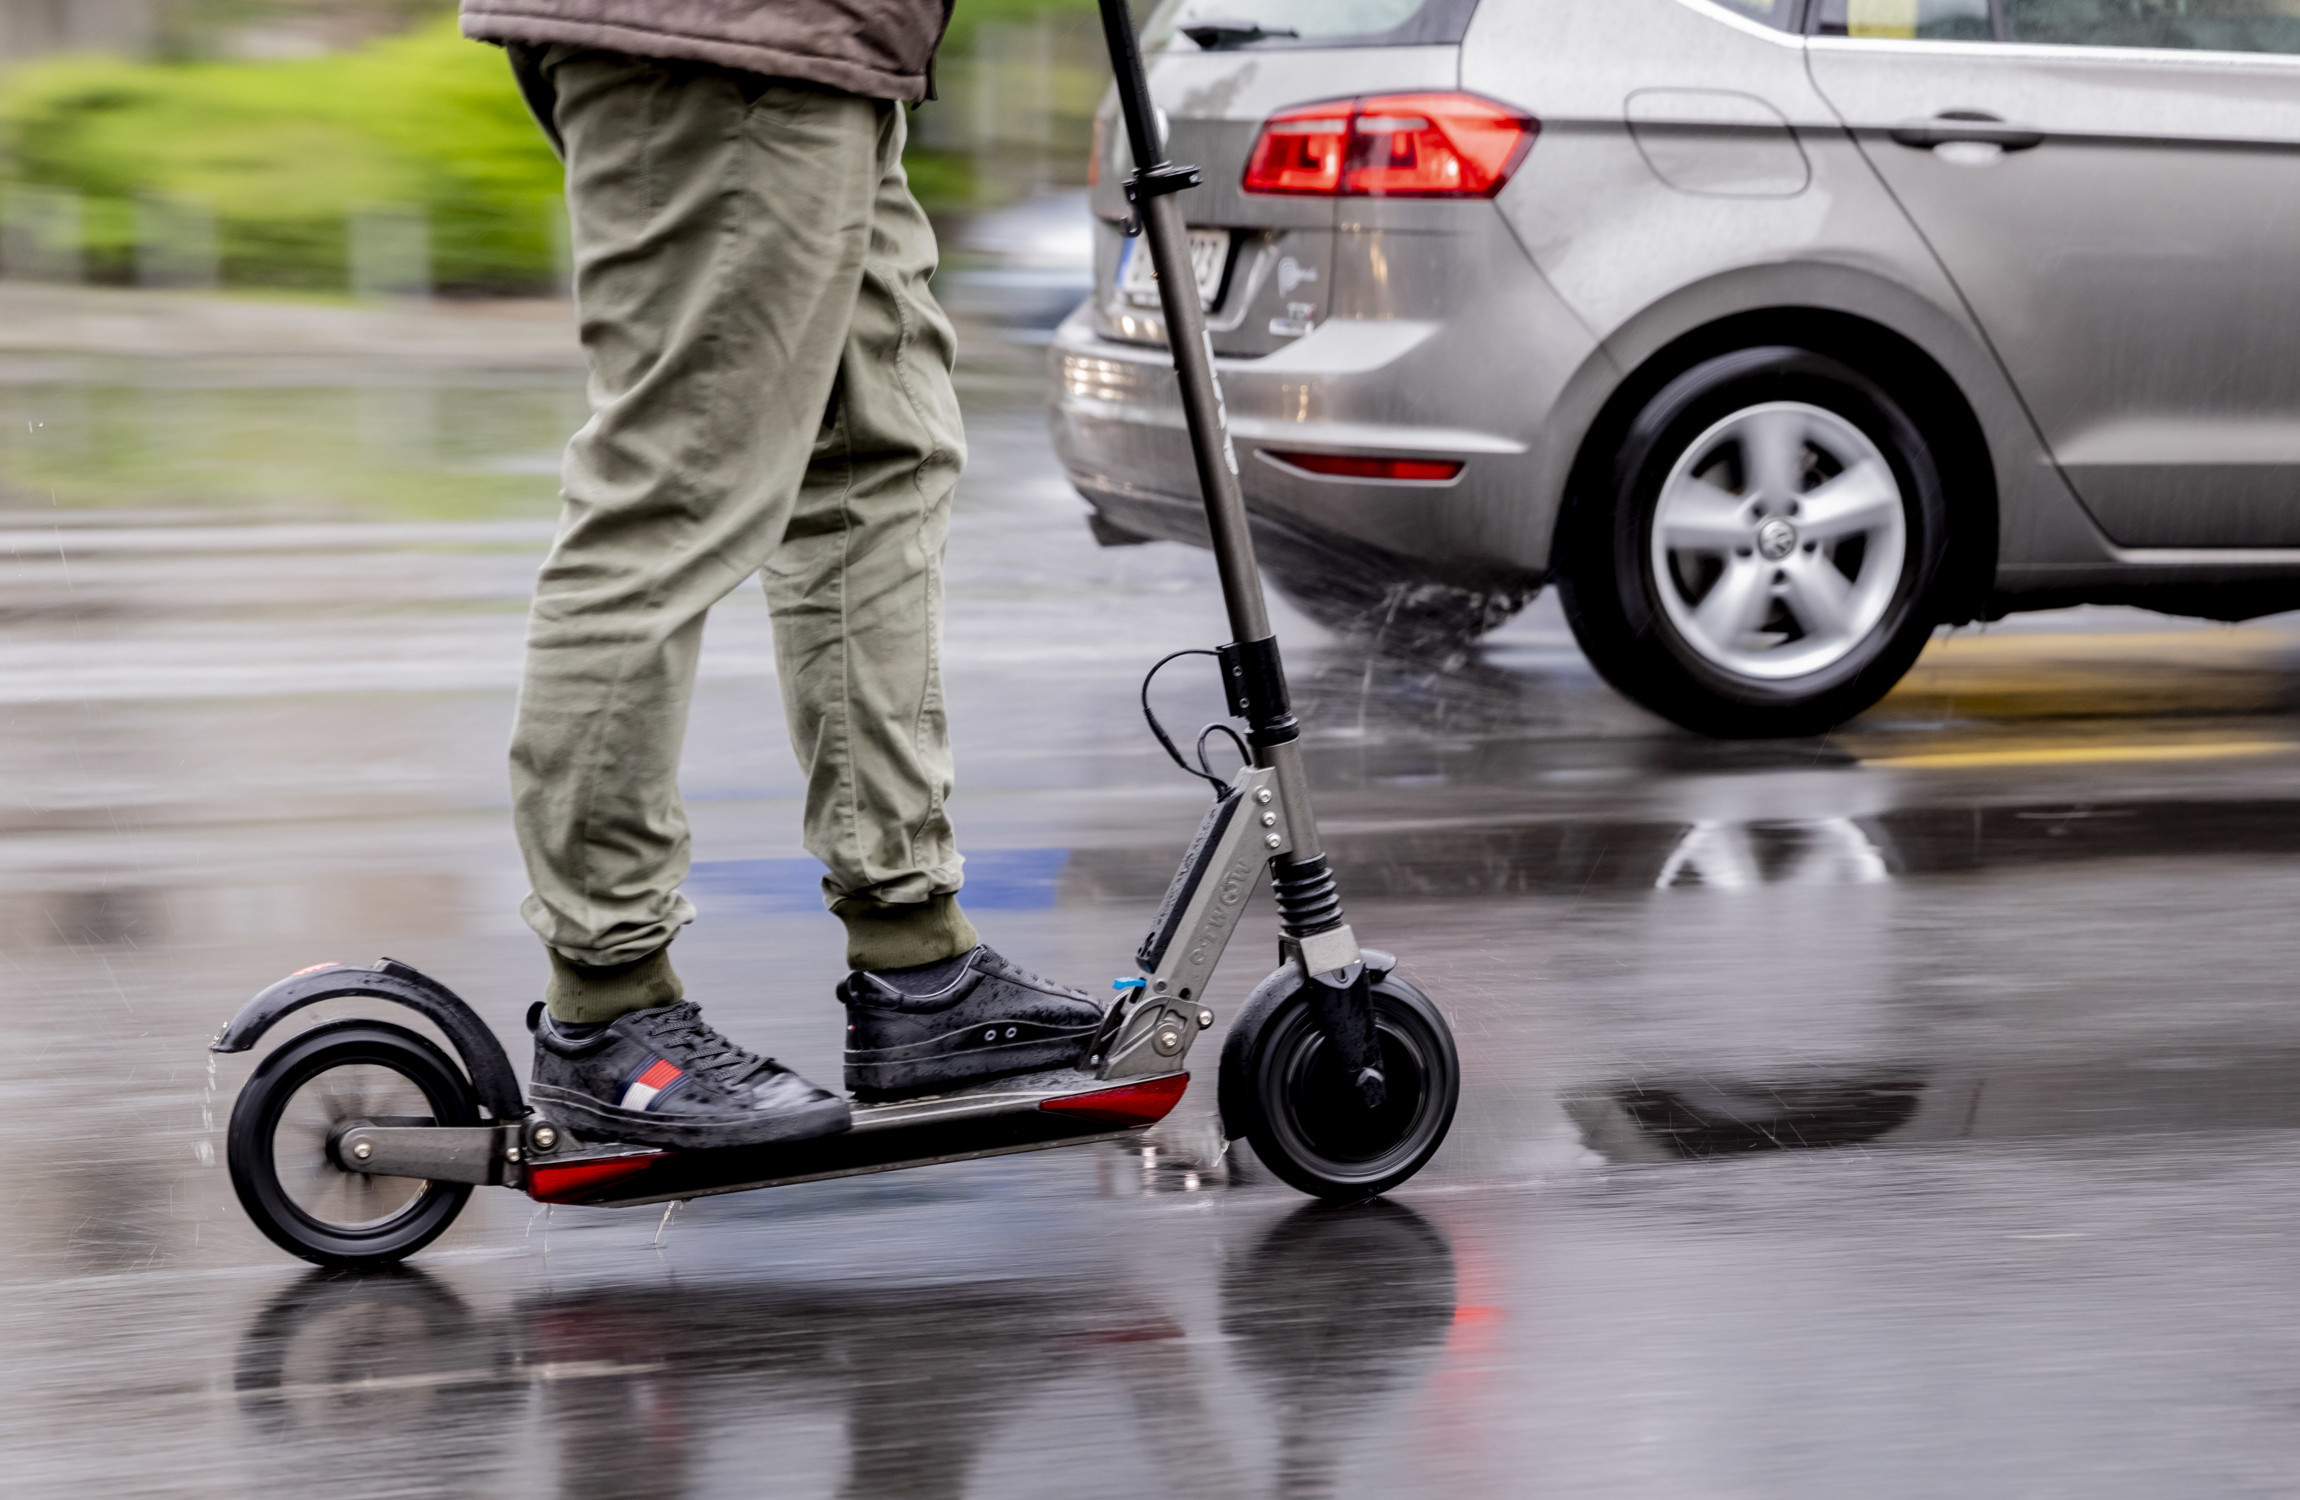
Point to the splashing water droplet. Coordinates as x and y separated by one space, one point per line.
206 1150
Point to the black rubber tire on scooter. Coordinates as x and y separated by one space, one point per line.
252 1144
1282 1090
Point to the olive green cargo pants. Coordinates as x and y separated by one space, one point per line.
770 394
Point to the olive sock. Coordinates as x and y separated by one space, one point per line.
597 994
883 935
925 979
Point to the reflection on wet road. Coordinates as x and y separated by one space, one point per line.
1913 1112
884 1385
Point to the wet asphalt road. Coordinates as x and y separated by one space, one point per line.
1911 1113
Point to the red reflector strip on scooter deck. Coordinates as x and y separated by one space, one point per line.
565 1181
1144 1103
1359 466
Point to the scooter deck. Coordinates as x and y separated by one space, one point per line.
1031 1113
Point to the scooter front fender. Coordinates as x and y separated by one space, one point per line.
483 1056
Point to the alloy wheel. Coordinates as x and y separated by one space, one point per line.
1778 540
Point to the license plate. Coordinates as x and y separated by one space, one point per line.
1209 257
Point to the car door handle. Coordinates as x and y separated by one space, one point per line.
1966 125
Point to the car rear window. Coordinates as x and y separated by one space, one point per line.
2216 25
1224 24
1914 20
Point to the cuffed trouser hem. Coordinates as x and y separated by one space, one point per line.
585 995
891 935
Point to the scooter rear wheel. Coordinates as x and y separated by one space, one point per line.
281 1143
1284 1090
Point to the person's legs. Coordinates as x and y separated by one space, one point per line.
720 228
857 597
856 590
718 240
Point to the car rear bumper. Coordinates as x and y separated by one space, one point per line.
1345 388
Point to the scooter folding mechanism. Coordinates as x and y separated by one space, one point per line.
357 1142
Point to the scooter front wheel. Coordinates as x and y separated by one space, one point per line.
1285 1091
298 1102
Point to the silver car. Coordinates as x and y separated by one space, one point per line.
1776 332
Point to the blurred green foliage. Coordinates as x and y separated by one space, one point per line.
970 15
282 151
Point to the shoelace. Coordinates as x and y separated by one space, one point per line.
1021 975
695 1044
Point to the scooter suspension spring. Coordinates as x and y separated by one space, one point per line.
1309 901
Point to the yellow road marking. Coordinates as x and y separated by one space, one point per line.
2124 646
2072 755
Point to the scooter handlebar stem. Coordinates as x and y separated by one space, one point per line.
1133 85
1253 649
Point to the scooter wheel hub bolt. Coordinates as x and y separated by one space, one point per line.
1272 840
362 1151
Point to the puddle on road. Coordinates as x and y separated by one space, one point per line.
1706 1117
1568 856
1485 862
647 1386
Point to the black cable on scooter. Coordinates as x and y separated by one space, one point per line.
1245 755
1165 739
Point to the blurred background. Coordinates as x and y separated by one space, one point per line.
1840 1115
350 180
360 147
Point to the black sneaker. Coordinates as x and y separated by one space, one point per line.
664 1077
984 1018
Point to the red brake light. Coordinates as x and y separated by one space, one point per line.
1434 145
1391 146
1300 150
1353 466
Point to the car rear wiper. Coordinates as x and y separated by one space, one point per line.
1213 36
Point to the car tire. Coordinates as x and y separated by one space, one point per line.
1762 555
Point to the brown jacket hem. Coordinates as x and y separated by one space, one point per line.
870 83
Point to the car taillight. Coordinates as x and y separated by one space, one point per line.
1355 466
1391 146
1300 150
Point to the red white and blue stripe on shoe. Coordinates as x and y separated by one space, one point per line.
655 1078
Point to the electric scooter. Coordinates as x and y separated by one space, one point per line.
357 1142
